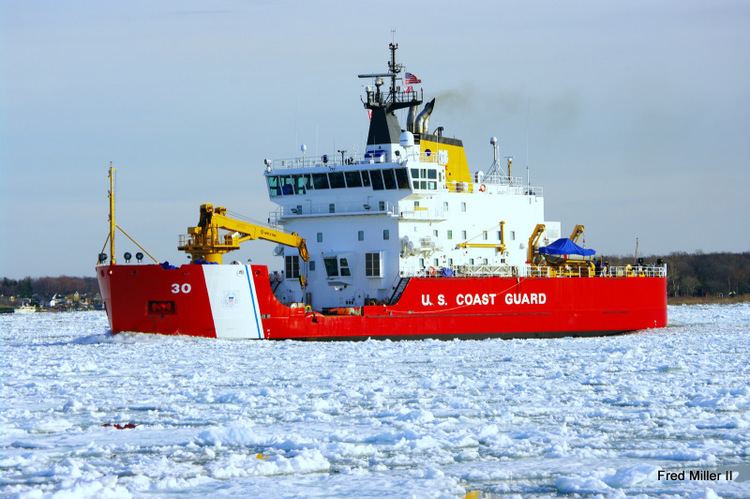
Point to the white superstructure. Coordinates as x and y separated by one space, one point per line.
402 209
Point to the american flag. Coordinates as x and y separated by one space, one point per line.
411 79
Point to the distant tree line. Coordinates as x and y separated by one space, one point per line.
701 274
690 274
46 287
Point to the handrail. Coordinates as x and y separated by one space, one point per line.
307 209
606 272
543 272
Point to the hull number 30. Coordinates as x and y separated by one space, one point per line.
181 288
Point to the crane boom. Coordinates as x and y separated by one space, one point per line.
576 234
205 241
534 240
500 247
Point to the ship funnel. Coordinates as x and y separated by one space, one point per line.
411 119
423 119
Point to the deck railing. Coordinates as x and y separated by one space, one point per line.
359 208
585 271
327 209
533 271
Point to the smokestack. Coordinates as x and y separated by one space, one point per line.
423 119
411 119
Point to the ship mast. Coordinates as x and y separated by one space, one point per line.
384 126
112 223
394 69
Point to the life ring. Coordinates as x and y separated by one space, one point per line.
482 187
432 272
308 309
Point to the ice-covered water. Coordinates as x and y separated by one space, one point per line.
426 418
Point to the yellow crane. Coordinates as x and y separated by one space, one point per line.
576 234
500 247
206 240
533 241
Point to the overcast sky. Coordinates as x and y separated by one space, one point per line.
636 113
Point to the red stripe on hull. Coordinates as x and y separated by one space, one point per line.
429 307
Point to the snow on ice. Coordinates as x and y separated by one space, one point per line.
88 414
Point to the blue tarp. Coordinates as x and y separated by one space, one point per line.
565 246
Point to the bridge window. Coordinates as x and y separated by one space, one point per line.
402 179
291 266
432 174
386 234
360 235
287 185
331 207
450 234
372 265
273 186
463 235
389 179
377 180
337 180
415 173
484 235
353 179
311 265
320 237
302 183
320 180
365 178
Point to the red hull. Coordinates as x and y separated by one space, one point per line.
210 301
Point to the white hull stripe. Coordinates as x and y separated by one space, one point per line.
231 294
254 301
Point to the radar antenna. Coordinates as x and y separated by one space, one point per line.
495 168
